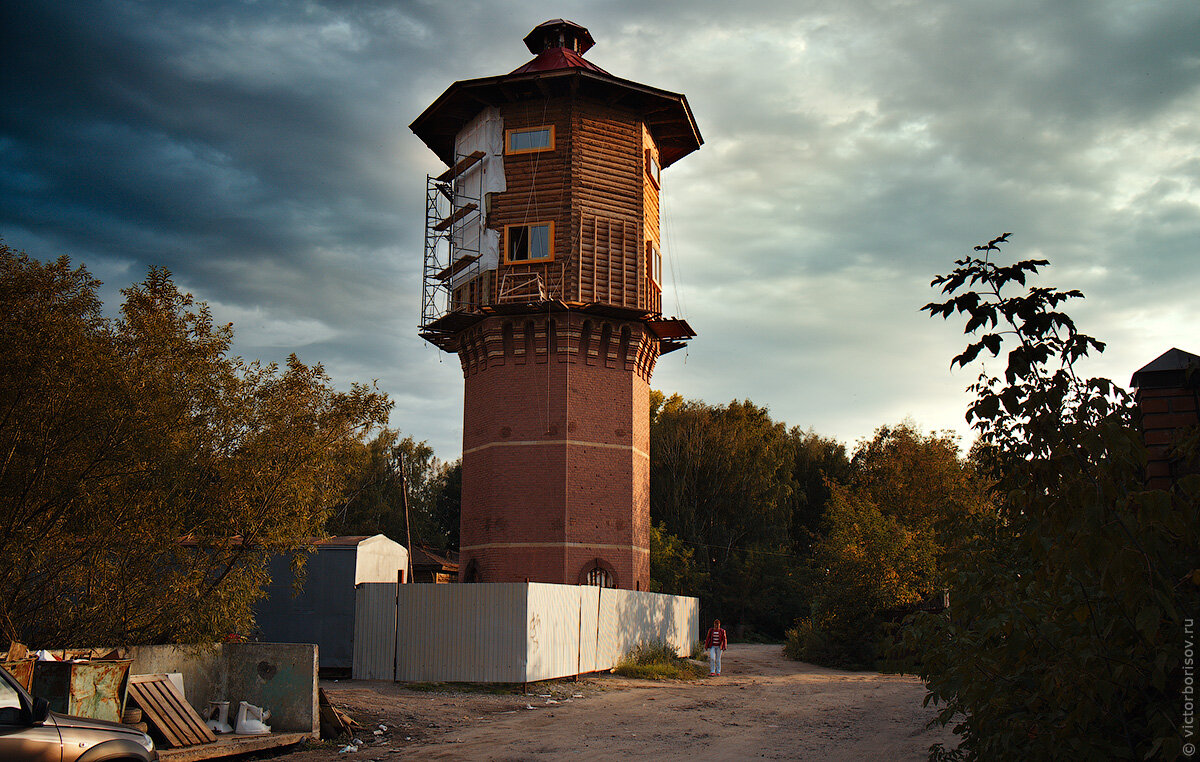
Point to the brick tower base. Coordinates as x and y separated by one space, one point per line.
556 442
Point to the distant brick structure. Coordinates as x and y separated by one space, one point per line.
1168 393
543 273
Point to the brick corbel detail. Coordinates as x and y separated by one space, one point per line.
500 340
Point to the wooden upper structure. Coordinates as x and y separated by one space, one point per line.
578 219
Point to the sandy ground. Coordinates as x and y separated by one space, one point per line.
763 706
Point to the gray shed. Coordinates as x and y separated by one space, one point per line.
323 611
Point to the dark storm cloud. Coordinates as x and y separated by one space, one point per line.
260 150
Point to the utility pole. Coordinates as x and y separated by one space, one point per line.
407 525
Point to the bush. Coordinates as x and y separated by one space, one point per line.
830 642
656 660
1069 607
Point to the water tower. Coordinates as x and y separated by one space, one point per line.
543 272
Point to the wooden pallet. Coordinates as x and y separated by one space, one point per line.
165 708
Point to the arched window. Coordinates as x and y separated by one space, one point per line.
598 577
599 574
623 352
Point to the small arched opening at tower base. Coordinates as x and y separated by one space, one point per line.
598 573
605 343
471 573
585 341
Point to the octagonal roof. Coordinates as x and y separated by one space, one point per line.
559 69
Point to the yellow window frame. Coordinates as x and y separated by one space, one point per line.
549 243
508 134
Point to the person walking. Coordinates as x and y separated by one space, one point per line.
715 641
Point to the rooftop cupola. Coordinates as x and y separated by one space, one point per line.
559 33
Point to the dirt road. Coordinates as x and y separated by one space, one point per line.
763 707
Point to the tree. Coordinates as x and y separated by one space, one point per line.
147 476
375 501
447 507
881 552
818 461
672 564
720 483
1064 639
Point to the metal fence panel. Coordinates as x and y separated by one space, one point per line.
590 616
629 617
462 632
554 631
374 631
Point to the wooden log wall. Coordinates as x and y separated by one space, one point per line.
538 188
595 189
608 195
650 293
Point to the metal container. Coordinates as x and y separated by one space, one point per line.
94 689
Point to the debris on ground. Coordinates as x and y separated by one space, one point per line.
335 722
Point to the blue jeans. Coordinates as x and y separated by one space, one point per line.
714 659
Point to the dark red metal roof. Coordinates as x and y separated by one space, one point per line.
557 33
558 58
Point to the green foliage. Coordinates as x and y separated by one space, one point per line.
816 462
1065 635
656 660
147 475
720 490
724 474
828 641
880 553
673 568
374 503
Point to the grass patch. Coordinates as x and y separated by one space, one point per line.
657 660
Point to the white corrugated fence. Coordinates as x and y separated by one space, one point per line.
509 632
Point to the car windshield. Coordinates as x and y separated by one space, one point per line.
10 699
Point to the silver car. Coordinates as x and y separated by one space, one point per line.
30 732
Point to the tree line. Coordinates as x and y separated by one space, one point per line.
782 531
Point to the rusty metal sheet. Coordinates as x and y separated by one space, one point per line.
95 689
22 670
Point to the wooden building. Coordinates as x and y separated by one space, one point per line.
543 272
434 567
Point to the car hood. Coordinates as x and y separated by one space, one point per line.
87 723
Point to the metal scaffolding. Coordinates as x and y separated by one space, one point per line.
450 256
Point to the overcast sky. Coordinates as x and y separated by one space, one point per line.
853 150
